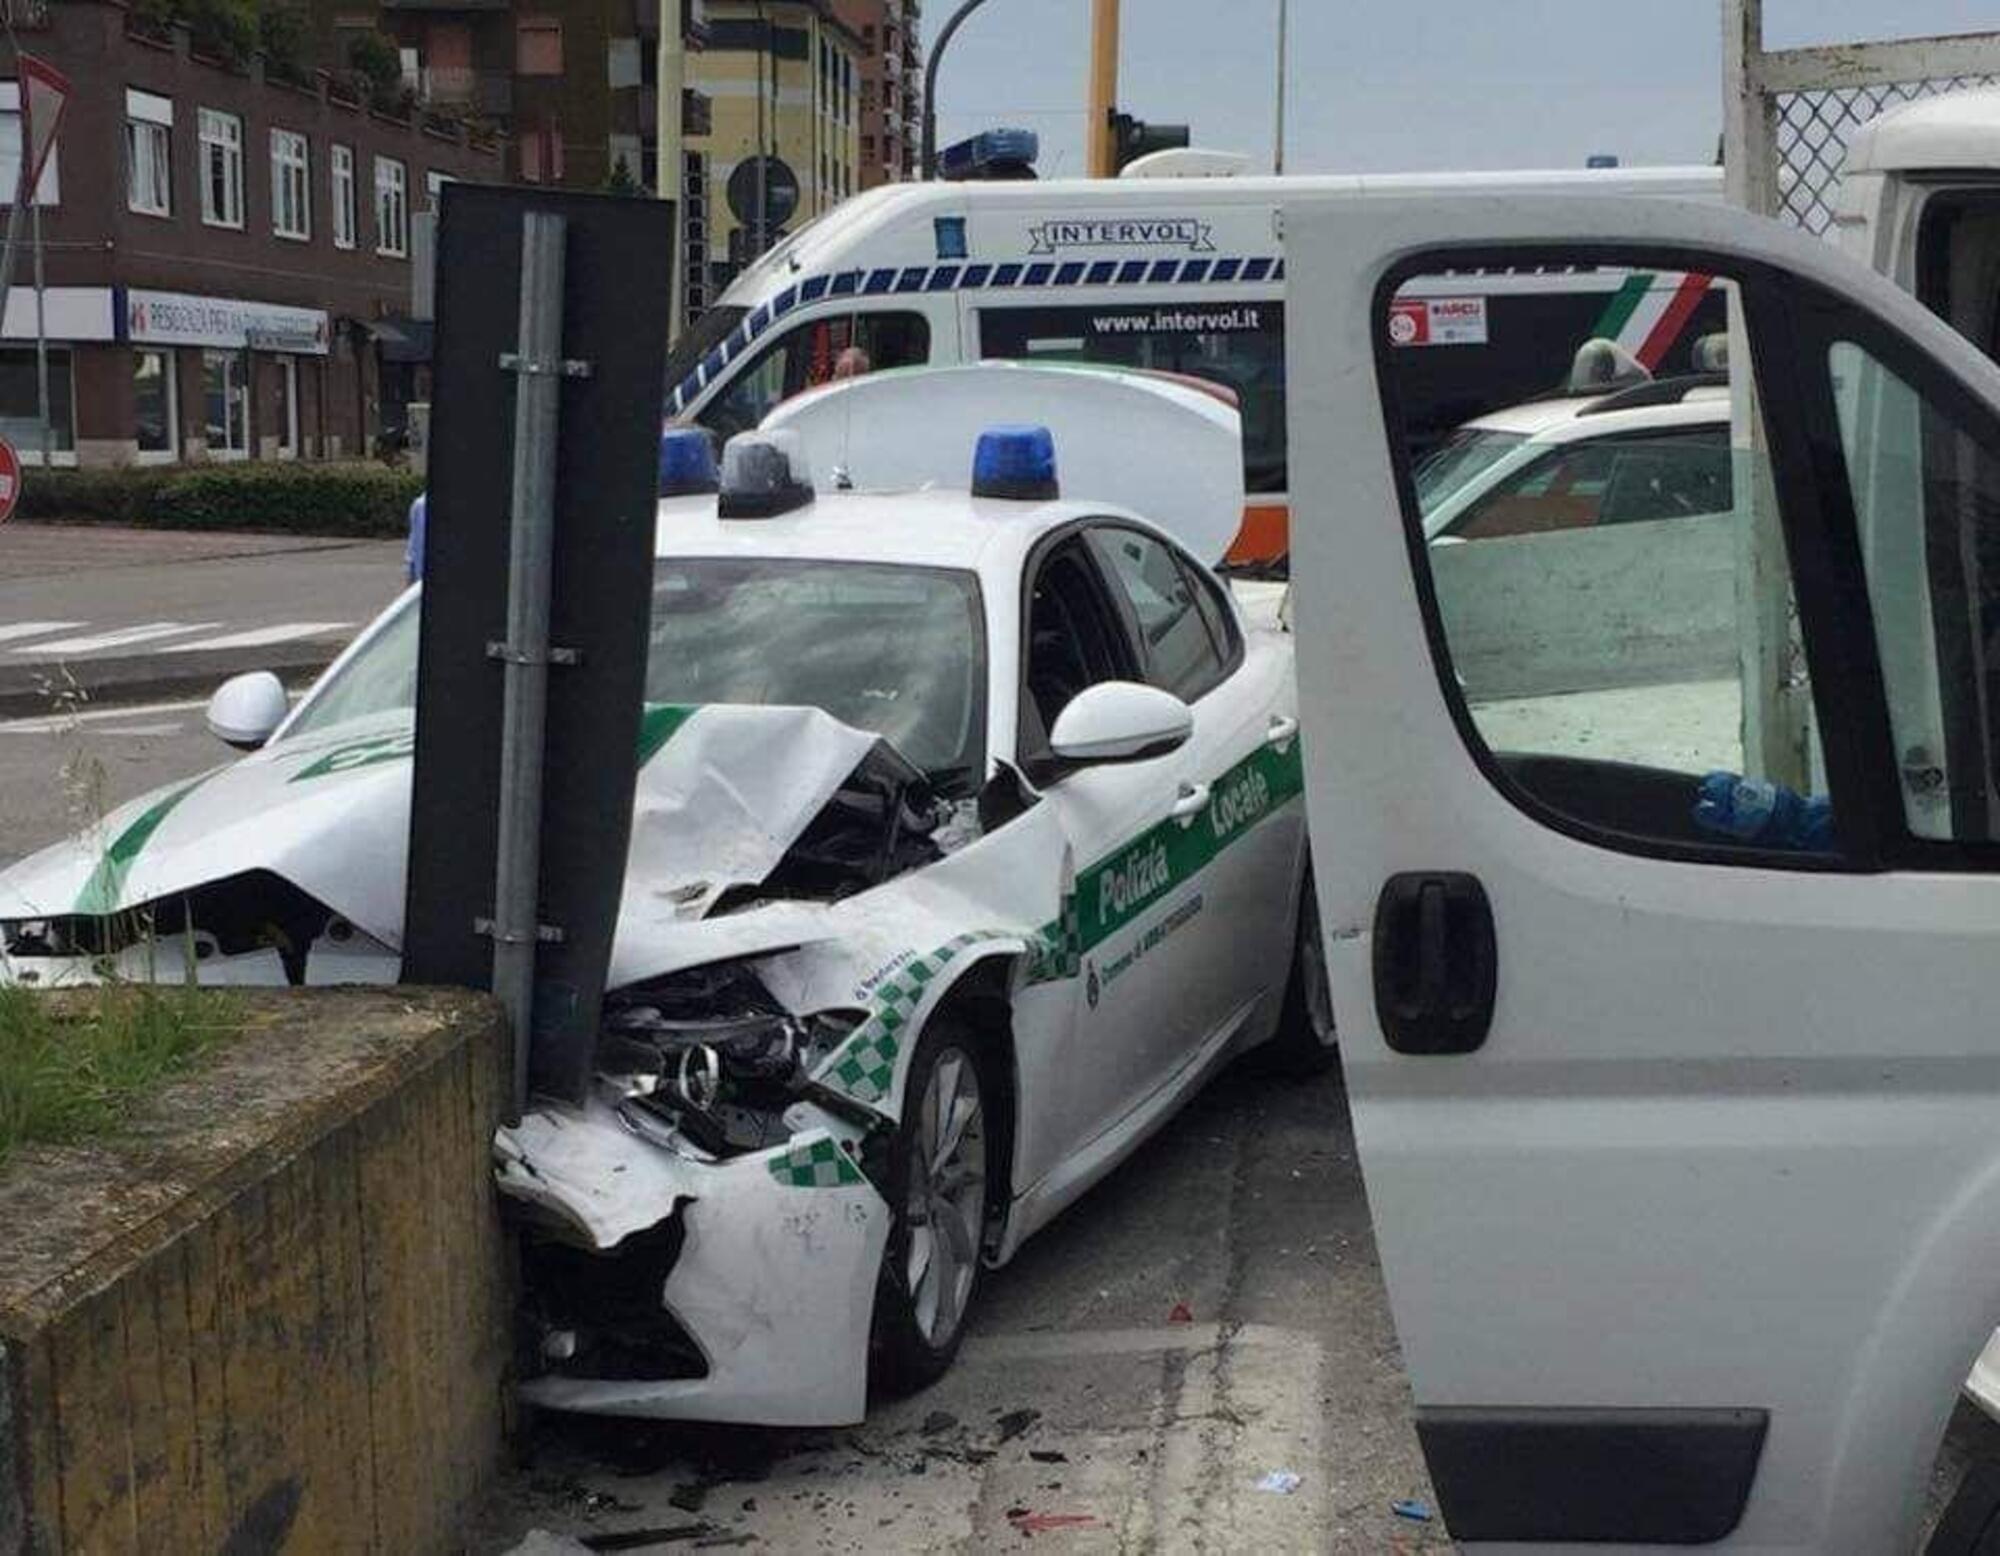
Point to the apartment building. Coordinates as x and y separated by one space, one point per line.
784 79
226 254
892 87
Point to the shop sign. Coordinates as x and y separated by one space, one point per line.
181 319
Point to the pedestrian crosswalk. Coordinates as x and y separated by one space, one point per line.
21 641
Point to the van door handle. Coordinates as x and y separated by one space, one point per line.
1282 730
1190 803
1436 962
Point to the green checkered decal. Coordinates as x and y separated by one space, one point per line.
865 1065
820 1165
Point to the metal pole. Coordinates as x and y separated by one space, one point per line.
672 173
1278 140
928 168
41 339
1103 102
757 226
537 403
1774 726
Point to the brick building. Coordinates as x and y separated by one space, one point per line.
892 86
226 255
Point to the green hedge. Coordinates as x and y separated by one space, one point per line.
300 499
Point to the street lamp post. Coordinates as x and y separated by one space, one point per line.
930 84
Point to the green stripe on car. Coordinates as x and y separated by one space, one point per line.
106 885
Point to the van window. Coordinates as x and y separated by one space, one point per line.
1239 345
812 353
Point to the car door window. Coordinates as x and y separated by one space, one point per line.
1181 652
1927 512
816 352
1607 481
1597 635
1073 641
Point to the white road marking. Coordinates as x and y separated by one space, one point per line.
56 724
33 629
259 637
124 637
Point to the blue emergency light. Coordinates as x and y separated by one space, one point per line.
687 462
1017 463
995 154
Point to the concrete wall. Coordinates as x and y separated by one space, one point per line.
1583 610
275 1312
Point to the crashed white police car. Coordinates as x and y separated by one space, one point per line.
967 843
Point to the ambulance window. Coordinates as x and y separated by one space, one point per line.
1587 607
1239 345
814 352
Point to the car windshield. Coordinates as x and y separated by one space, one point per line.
1458 459
896 650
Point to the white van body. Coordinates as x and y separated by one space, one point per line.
942 267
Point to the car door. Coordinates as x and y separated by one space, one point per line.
1680 1119
1232 938
1124 822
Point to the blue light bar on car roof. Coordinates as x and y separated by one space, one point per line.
687 462
989 152
1018 463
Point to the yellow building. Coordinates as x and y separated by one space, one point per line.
783 75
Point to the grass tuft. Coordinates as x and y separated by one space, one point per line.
74 1064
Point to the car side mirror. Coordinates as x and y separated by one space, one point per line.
246 710
1119 721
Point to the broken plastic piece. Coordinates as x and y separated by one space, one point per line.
1282 1482
1181 1314
1411 1509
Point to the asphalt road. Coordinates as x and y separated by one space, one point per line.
1209 1315
1212 1313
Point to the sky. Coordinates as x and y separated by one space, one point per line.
1387 85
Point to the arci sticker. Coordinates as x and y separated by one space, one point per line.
1437 321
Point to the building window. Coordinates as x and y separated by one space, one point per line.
149 130
225 396
155 404
542 154
291 185
49 191
221 169
392 207
538 46
343 197
20 406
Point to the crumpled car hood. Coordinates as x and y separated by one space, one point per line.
723 792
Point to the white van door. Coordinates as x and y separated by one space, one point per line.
1678 1097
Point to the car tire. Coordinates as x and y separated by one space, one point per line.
1307 1041
937 1185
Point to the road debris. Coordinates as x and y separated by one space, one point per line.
1181 1313
937 1423
1048 1456
1411 1509
1043 1523
642 1539
1282 1482
1015 1422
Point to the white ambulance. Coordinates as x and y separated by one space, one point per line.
1180 274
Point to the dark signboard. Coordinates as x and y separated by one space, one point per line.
615 321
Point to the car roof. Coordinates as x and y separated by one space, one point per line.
1569 418
929 528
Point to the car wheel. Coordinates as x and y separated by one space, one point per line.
937 1196
1307 1042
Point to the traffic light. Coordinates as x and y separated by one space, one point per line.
1134 138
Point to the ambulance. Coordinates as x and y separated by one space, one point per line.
1172 273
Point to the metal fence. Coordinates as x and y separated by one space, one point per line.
1811 128
1789 112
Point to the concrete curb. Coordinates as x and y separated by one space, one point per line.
36 689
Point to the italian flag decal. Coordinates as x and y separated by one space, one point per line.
1647 314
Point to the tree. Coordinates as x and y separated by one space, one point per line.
374 57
